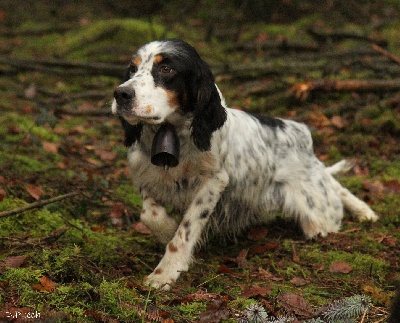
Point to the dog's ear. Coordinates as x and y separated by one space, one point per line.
208 112
132 132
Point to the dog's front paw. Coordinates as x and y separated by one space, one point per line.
162 279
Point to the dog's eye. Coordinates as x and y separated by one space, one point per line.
165 69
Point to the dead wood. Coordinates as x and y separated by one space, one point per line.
36 205
324 37
302 90
385 53
64 67
282 45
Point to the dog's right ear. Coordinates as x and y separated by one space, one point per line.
132 132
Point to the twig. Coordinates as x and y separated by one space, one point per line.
64 67
36 205
323 37
301 90
385 53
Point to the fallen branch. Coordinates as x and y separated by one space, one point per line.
36 205
323 37
64 67
385 53
302 90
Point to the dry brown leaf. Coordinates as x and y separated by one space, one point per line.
261 249
13 261
298 281
251 291
296 304
35 191
392 186
216 311
257 233
46 284
340 267
50 147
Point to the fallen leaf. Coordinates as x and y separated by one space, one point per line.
13 261
392 186
141 228
106 155
35 191
216 311
257 233
340 267
50 147
251 291
97 228
224 269
295 304
265 274
46 284
261 249
389 241
298 281
338 122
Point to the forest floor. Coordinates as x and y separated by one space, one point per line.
84 257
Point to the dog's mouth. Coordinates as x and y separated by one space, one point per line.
130 114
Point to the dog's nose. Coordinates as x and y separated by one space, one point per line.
124 94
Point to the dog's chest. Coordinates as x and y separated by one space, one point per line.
176 186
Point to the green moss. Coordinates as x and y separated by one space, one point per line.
36 223
115 299
190 311
128 193
103 34
26 125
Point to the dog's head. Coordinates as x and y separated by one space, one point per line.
166 79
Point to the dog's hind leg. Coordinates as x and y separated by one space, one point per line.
357 207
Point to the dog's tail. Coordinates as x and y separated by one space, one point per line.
358 208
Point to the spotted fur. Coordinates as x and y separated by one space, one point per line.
235 169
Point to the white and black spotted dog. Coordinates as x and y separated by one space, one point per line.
235 169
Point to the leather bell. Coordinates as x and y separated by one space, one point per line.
165 148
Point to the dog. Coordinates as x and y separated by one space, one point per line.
235 169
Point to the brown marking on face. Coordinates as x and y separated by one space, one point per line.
158 59
172 247
136 60
173 100
148 109
154 213
158 271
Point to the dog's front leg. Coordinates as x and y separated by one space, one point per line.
179 250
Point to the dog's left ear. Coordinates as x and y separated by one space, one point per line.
208 114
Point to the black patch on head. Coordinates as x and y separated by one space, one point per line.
194 84
269 121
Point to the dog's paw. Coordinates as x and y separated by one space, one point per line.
367 215
162 279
